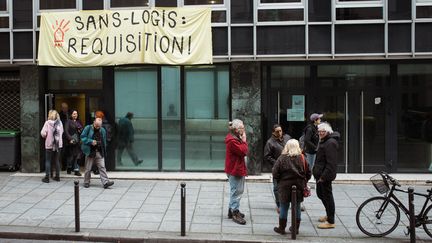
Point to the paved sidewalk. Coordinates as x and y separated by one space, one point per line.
135 210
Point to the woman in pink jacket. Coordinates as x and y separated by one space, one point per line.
52 131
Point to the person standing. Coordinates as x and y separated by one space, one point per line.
324 172
311 138
93 145
52 132
235 168
272 150
73 131
65 115
290 170
126 139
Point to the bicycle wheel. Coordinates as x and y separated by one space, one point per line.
427 225
374 223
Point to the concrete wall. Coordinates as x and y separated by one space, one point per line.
246 106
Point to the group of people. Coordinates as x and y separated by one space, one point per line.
292 164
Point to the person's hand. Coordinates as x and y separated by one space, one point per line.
94 142
243 137
320 180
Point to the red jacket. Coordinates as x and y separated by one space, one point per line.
236 150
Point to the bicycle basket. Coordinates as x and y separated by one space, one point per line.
380 183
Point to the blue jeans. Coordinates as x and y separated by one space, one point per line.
236 191
310 159
284 210
275 192
52 156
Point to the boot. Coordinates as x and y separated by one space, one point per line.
282 226
298 226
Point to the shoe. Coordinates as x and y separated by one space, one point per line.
326 225
86 185
108 184
77 173
68 171
45 179
322 219
138 162
236 217
56 178
96 172
281 228
230 215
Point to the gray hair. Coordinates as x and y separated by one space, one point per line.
236 123
292 148
325 126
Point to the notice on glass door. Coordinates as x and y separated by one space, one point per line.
296 113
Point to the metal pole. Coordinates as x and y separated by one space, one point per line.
412 220
183 209
77 210
293 212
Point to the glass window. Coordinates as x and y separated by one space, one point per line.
399 37
58 4
423 36
319 39
136 92
218 17
268 44
3 5
129 3
399 9
202 2
241 40
241 11
358 13
350 38
424 12
74 78
171 113
207 114
415 118
280 15
4 45
220 41
4 22
292 77
319 10
23 45
166 3
22 14
280 1
93 4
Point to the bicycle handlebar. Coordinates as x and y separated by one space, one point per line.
390 178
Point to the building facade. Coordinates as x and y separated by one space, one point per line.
365 64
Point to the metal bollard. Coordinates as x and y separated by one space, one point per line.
77 210
293 212
183 209
412 219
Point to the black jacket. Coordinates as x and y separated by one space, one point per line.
273 148
325 166
311 138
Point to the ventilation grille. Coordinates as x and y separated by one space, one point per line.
9 102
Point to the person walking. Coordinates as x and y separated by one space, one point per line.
52 132
73 131
93 145
311 138
235 168
126 139
324 172
290 169
272 150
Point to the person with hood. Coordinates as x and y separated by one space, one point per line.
290 170
311 138
272 151
52 131
324 172
235 168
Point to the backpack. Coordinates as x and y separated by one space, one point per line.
301 142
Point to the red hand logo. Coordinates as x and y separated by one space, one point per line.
59 32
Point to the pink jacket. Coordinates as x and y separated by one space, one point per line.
47 133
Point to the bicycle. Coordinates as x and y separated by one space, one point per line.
379 216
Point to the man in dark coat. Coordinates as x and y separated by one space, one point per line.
324 172
311 138
273 150
126 139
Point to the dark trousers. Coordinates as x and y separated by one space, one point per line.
325 193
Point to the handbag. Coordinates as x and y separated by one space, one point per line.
306 189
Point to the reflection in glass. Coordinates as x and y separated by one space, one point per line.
136 92
415 118
207 113
74 78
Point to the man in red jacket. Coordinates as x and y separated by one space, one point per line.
235 167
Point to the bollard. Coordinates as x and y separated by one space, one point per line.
293 212
183 209
412 219
77 211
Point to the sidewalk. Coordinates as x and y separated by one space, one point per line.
137 210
